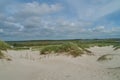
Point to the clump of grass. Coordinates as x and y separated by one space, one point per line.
3 46
105 57
116 46
68 48
1 55
50 48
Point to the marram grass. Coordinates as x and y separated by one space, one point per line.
68 48
3 46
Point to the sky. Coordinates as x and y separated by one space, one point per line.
59 19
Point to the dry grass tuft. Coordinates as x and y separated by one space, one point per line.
105 57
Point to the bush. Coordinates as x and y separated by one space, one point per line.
70 48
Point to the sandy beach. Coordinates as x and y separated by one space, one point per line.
29 65
59 39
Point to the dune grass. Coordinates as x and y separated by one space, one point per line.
105 57
69 48
116 46
3 47
1 55
82 43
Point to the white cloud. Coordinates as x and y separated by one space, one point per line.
108 8
1 30
103 30
37 9
33 21
99 29
21 27
93 9
2 17
38 18
16 25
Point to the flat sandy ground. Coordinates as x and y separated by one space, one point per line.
29 65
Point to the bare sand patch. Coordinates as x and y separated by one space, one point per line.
29 65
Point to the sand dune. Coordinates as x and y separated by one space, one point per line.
29 65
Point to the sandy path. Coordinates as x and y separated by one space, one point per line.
28 65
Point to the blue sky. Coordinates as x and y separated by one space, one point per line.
59 19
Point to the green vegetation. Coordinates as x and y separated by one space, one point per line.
1 55
3 46
73 47
116 46
68 48
83 43
21 48
76 46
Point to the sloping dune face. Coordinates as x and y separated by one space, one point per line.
30 65
107 56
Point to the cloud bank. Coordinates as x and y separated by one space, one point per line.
66 19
